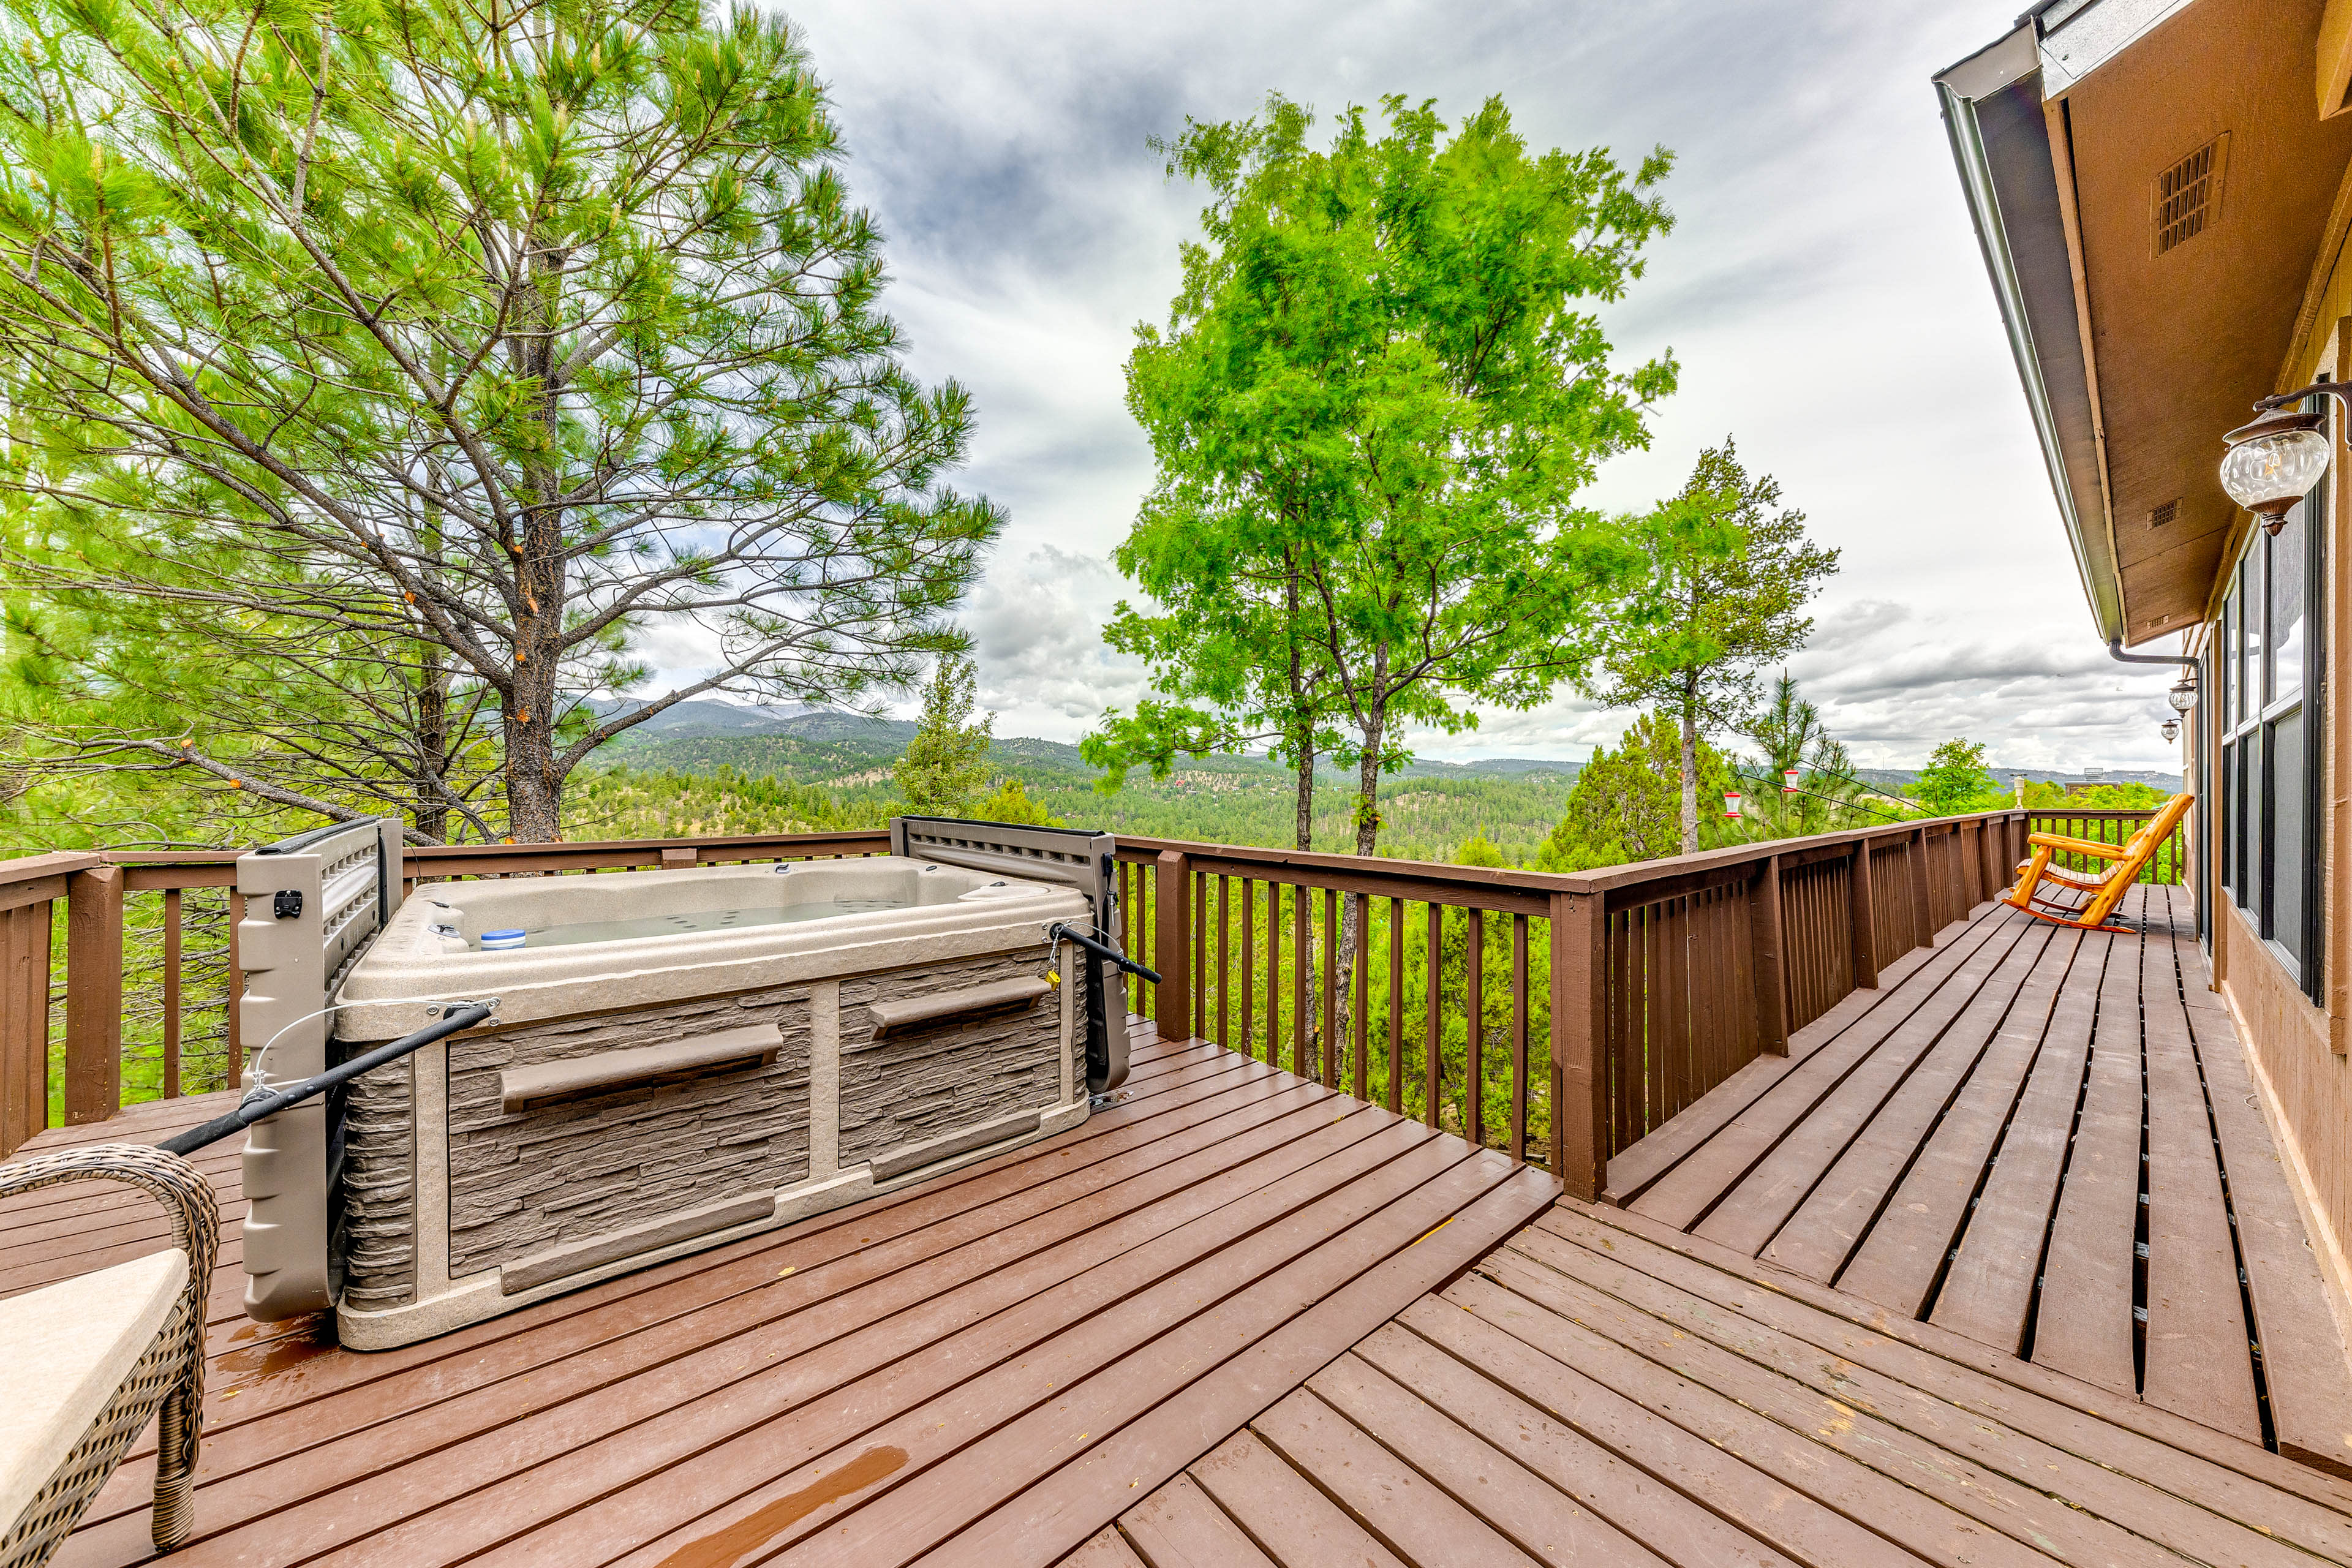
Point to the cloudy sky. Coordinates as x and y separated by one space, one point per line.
1821 289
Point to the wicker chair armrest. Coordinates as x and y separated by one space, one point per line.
166 1386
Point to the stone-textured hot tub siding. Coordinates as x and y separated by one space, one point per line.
378 1225
520 1183
905 1089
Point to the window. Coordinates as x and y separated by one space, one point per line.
2269 662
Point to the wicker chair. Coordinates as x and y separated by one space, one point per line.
165 1380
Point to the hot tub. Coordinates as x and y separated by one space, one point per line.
678 1058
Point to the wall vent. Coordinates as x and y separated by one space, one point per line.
2158 516
2188 195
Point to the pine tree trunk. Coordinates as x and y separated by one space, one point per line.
1690 777
432 816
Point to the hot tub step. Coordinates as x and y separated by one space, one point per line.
901 1015
605 1072
557 1263
915 1156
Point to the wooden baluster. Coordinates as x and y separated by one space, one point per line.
1433 1055
1224 954
1198 952
93 994
1360 908
171 994
1303 1044
1171 891
1863 916
232 1022
1330 1052
1474 1003
1923 914
1273 972
1764 939
1579 958
1249 955
1520 1038
1396 1006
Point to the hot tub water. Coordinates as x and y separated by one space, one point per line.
704 919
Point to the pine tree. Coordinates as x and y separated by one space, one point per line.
1729 612
946 764
458 348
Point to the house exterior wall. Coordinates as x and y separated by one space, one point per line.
2298 1047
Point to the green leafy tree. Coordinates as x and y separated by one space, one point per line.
1013 803
1627 803
474 344
1377 392
946 764
1728 611
1955 779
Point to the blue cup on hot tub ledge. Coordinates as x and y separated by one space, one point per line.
500 941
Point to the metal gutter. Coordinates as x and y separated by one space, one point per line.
2014 66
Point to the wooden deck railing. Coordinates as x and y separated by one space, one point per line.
1558 1019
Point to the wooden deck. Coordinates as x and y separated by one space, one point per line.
1604 1389
2044 1140
1240 1318
988 1367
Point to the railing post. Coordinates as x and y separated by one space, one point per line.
1923 897
1771 963
1863 917
93 994
1972 862
1172 945
1580 1041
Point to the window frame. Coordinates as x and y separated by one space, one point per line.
2247 741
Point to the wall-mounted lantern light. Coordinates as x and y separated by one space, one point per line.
2274 462
2172 729
2183 695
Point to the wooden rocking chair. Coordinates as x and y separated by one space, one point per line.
2086 899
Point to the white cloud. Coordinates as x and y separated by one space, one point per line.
1821 291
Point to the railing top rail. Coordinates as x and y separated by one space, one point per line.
2133 814
1338 869
55 863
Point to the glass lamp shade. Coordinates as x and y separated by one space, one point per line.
2270 473
2183 696
2172 729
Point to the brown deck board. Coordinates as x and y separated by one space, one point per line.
1179 1526
1905 1249
1190 1255
799 1333
1844 1206
1283 1512
1682 1194
1753 1211
1969 1150
1241 1318
1602 1370
2309 1385
2194 1304
1417 1519
1987 1290
2083 1324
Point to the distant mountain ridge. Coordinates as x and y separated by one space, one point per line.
863 741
